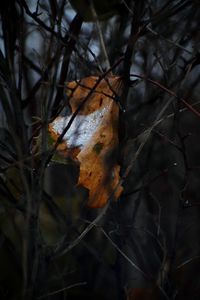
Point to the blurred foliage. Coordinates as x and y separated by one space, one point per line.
146 245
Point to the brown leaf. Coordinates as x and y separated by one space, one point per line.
92 138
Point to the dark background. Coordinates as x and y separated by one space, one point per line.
147 244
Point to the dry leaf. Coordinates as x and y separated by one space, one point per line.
92 138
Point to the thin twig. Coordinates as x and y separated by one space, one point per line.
168 40
63 289
144 137
123 254
61 249
170 92
101 39
187 261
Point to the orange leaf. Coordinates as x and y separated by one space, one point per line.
92 139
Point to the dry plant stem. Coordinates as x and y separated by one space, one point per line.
21 150
144 137
63 289
58 251
34 16
127 7
170 92
122 253
135 33
101 39
70 40
27 220
21 50
167 40
160 121
172 114
130 261
187 262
